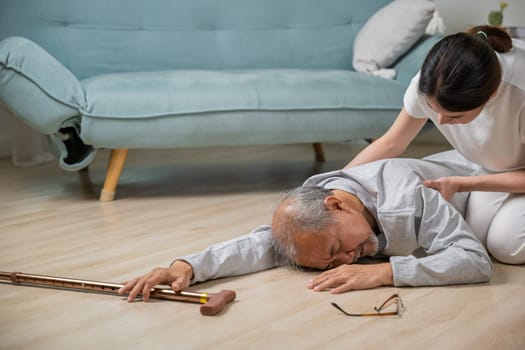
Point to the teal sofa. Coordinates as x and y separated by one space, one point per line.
130 74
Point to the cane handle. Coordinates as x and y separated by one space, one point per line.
217 302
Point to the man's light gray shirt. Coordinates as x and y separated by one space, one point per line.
425 237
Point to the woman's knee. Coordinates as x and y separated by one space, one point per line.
481 210
506 254
506 235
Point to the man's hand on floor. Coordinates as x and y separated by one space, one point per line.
350 277
178 276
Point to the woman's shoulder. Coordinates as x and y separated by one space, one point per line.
518 43
513 64
413 100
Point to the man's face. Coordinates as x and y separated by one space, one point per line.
350 238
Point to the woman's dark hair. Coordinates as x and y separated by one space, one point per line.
462 71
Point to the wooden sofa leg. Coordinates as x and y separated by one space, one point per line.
319 154
116 162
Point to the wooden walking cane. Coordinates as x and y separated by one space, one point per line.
212 303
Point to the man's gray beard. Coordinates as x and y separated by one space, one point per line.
374 242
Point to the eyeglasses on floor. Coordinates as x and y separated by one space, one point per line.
394 299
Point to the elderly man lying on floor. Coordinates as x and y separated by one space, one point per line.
380 209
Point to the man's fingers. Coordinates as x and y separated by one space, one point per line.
176 286
179 284
150 283
353 277
129 287
126 286
342 288
312 284
329 282
143 286
340 279
176 276
326 276
136 290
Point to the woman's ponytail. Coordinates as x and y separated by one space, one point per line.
497 38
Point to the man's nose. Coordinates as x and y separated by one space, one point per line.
344 258
442 119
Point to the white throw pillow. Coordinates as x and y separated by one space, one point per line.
389 33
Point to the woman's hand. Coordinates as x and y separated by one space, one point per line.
178 276
350 277
447 186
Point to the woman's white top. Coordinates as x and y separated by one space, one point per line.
496 138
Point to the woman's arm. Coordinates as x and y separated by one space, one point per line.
394 142
511 181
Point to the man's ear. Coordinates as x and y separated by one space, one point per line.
333 203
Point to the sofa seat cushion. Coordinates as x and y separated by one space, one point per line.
180 108
181 92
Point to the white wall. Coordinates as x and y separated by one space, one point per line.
458 15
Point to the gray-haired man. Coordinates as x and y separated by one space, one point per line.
377 209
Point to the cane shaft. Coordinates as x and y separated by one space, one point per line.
96 286
107 287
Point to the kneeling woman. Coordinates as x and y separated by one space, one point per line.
472 86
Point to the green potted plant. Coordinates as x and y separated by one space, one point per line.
496 17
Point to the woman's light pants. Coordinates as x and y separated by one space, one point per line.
498 220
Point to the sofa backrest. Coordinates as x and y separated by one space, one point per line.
92 37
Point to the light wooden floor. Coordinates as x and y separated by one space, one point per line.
175 202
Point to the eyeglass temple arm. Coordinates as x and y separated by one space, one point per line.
394 297
393 313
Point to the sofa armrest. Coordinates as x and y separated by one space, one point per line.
36 87
410 63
